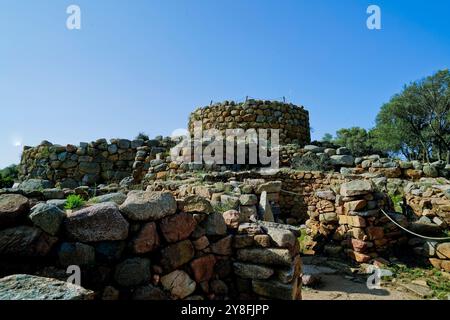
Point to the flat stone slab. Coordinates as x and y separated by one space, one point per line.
29 287
418 290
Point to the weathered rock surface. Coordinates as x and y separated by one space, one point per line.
179 284
177 254
117 197
147 240
177 227
132 272
28 287
97 223
268 256
197 204
356 188
13 207
25 241
79 254
47 217
252 271
148 205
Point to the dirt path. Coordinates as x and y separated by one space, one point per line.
337 287
336 280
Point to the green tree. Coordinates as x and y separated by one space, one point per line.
328 137
416 122
357 140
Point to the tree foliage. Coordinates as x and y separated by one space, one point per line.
416 122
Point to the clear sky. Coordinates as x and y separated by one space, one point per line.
145 65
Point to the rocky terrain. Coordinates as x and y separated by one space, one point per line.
140 225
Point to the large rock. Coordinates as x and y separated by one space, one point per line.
215 225
268 256
197 204
203 268
356 188
275 290
177 254
269 187
117 197
179 284
147 240
252 271
149 205
177 227
265 209
97 223
342 160
34 187
282 238
430 171
47 217
79 254
28 287
25 241
13 207
132 272
443 250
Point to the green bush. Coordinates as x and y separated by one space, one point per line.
8 175
311 162
74 201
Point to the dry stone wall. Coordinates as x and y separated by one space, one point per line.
91 163
293 121
147 246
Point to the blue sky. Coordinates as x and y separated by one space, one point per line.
145 65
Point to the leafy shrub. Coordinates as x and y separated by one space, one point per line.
311 162
74 201
8 175
222 207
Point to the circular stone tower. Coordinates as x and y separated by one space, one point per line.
292 120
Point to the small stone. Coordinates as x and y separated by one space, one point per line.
443 250
47 217
197 204
179 284
231 218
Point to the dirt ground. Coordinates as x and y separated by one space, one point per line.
337 287
339 281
